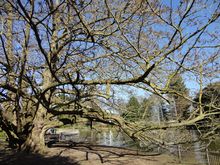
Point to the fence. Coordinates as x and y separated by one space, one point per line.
203 157
213 158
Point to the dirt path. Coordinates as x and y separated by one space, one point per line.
84 155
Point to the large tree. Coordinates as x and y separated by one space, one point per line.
85 50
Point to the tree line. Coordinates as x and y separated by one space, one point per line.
142 109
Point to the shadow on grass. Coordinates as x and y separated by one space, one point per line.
19 158
104 152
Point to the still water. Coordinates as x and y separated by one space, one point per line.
196 155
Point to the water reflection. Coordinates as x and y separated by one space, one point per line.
199 155
106 137
111 137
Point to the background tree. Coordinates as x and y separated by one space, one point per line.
133 110
155 109
146 106
210 99
210 95
180 104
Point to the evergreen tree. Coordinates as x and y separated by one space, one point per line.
181 105
211 95
133 110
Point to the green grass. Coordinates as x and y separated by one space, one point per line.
2 135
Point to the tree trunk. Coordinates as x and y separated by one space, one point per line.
35 141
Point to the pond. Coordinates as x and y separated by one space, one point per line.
195 155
